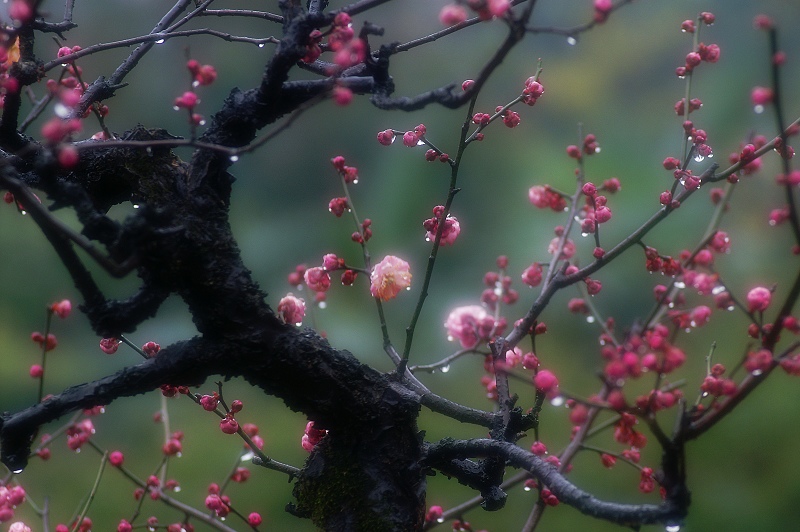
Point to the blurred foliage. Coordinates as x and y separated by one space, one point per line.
618 81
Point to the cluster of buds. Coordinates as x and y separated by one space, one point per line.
217 502
79 433
681 107
532 91
544 197
625 433
747 157
714 384
47 344
595 211
201 74
10 499
513 358
348 49
667 265
589 147
456 13
498 286
450 231
709 53
349 173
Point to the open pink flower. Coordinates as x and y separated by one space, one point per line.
292 309
388 277
469 325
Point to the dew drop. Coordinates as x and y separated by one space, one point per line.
323 305
420 143
730 308
758 109
445 369
440 520
572 41
298 324
261 45
450 338
64 65
195 84
149 151
160 41
61 110
673 528
527 488
680 284
17 471
178 455
355 181
756 372
597 149
773 223
136 205
671 305
717 290
23 213
408 288
176 108
201 123
681 77
234 158
589 319
705 394
557 401
427 239
698 159
584 235
246 457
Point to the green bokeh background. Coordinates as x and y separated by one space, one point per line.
617 81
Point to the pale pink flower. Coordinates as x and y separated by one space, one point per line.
292 309
388 277
19 526
469 325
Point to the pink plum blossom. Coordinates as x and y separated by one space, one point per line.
292 309
389 277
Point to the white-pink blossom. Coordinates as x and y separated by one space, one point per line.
389 277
